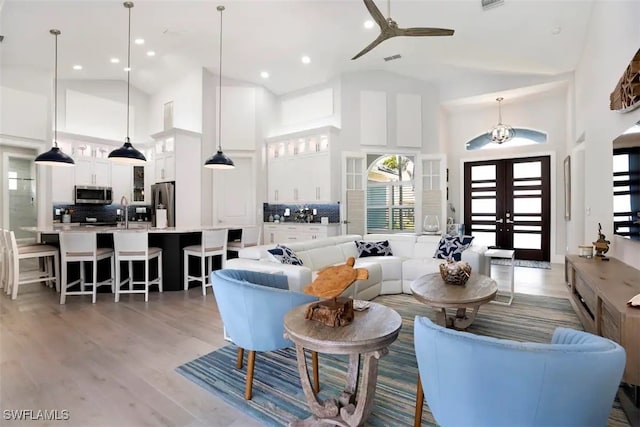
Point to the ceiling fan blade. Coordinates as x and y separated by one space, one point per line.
376 14
422 32
373 44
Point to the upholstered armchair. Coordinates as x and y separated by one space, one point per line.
252 306
475 380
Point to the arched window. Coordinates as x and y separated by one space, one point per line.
521 138
391 194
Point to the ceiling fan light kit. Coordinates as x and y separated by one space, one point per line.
501 132
128 153
389 28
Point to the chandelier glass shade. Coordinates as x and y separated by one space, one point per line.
501 132
219 160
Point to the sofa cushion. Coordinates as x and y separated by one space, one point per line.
452 247
323 257
348 249
367 249
285 255
418 267
402 244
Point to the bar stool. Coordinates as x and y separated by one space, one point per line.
133 246
4 264
13 255
214 242
250 236
80 246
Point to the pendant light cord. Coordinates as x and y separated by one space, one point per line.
55 94
220 8
128 70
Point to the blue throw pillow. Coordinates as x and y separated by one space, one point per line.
285 255
452 247
366 249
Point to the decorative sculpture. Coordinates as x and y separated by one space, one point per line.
455 273
601 245
330 283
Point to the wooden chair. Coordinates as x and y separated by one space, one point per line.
214 243
133 246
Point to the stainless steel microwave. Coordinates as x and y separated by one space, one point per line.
89 195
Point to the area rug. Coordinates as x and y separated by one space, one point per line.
522 263
277 394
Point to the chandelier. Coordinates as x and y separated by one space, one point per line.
500 133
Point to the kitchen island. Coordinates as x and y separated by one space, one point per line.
171 240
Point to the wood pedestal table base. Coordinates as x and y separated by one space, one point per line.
366 339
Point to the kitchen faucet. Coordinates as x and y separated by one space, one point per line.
125 203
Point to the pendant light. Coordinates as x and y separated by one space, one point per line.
501 133
127 153
55 156
219 160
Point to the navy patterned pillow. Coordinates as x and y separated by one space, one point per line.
366 249
452 247
285 255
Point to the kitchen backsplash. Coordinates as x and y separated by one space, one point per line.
330 210
102 213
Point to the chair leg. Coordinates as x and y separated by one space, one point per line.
94 293
240 357
186 271
249 386
203 278
117 280
160 272
316 376
16 277
146 280
417 419
82 276
130 275
63 284
112 261
56 269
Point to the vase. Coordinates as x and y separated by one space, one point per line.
431 224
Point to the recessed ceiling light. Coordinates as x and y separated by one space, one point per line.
556 30
127 69
115 60
139 41
264 74
151 53
368 24
305 59
77 67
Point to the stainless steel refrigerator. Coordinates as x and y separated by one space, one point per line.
164 194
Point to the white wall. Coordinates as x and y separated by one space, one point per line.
187 97
544 112
612 40
309 108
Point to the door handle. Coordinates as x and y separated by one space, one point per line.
500 221
509 221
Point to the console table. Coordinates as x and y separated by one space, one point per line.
599 294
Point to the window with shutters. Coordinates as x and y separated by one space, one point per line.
391 195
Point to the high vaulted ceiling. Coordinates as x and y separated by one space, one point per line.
519 37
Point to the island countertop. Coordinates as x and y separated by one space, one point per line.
111 230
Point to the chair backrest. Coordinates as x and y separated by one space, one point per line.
252 306
250 236
131 244
214 240
475 380
78 244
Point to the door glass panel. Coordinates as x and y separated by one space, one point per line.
527 183
22 196
484 193
620 163
622 203
527 218
527 228
483 205
527 192
527 170
527 241
533 205
483 172
484 238
483 218
483 185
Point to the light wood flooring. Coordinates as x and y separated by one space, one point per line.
112 364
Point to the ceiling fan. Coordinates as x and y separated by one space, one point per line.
389 28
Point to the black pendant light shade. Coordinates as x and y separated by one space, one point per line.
219 160
127 153
55 156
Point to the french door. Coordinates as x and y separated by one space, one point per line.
507 204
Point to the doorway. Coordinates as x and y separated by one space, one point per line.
20 195
507 204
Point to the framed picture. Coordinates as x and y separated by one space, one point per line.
567 188
168 115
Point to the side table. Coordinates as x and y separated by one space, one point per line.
504 254
368 336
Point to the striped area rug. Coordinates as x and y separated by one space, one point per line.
278 397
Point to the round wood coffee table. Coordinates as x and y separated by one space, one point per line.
433 291
369 335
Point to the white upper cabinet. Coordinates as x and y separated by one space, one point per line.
165 166
92 166
63 179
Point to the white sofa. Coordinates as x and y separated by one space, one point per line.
412 257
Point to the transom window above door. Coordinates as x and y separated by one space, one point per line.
522 137
391 194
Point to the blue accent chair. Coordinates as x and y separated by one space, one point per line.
473 380
252 306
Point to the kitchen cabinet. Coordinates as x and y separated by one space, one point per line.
92 166
300 167
63 180
297 232
165 159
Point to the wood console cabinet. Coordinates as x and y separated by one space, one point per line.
599 294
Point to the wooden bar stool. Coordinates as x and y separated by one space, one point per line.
80 246
250 236
133 246
214 243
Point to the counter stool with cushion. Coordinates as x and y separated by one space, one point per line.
214 243
250 236
82 247
134 246
15 253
